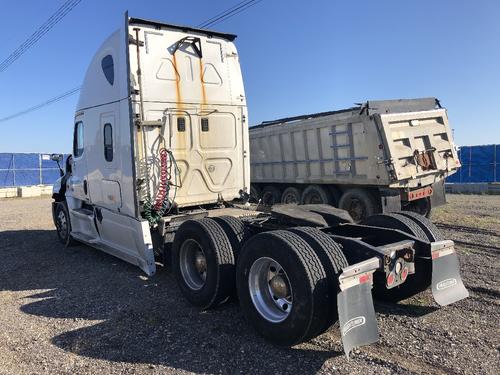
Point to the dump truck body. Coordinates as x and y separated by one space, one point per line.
396 144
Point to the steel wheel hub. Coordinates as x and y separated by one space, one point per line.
193 264
270 289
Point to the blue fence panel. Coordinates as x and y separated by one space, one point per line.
25 169
27 177
6 161
454 177
479 164
27 161
6 178
49 176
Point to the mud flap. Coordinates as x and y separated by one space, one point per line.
358 325
447 285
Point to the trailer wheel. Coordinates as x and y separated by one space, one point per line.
422 277
203 262
236 231
282 287
396 221
63 224
255 193
420 206
359 203
432 232
333 260
271 195
291 195
315 194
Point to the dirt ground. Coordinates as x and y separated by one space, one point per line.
78 310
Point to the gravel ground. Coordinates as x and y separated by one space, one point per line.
78 310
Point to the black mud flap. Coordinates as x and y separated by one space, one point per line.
447 285
358 325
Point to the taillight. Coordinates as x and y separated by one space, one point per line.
404 274
390 279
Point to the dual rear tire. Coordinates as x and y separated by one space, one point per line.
286 280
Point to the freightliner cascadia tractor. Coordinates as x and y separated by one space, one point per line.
160 173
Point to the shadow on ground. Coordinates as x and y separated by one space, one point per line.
141 319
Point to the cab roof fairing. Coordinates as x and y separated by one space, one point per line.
96 90
186 29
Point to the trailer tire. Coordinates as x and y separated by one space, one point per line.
332 259
291 195
316 194
421 206
432 232
236 231
396 221
303 278
359 203
422 277
62 222
205 280
271 195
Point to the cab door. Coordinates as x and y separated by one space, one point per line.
106 160
78 184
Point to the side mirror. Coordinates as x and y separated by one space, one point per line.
57 157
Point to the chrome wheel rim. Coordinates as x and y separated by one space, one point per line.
62 224
193 264
270 290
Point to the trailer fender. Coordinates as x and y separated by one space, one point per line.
447 285
358 325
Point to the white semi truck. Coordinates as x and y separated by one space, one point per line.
160 173
381 156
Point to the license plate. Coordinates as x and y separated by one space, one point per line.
420 193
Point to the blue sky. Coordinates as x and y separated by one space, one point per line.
297 57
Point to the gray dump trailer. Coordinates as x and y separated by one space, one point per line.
382 156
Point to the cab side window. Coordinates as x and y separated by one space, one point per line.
108 142
78 140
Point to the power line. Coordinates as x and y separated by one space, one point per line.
208 22
39 33
45 103
223 16
233 13
228 13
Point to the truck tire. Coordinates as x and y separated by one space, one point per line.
255 193
315 194
422 277
332 259
359 203
203 262
291 195
236 231
271 195
63 224
432 232
282 287
421 206
396 221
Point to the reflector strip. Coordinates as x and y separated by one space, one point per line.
441 253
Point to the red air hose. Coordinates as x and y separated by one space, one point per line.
164 183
